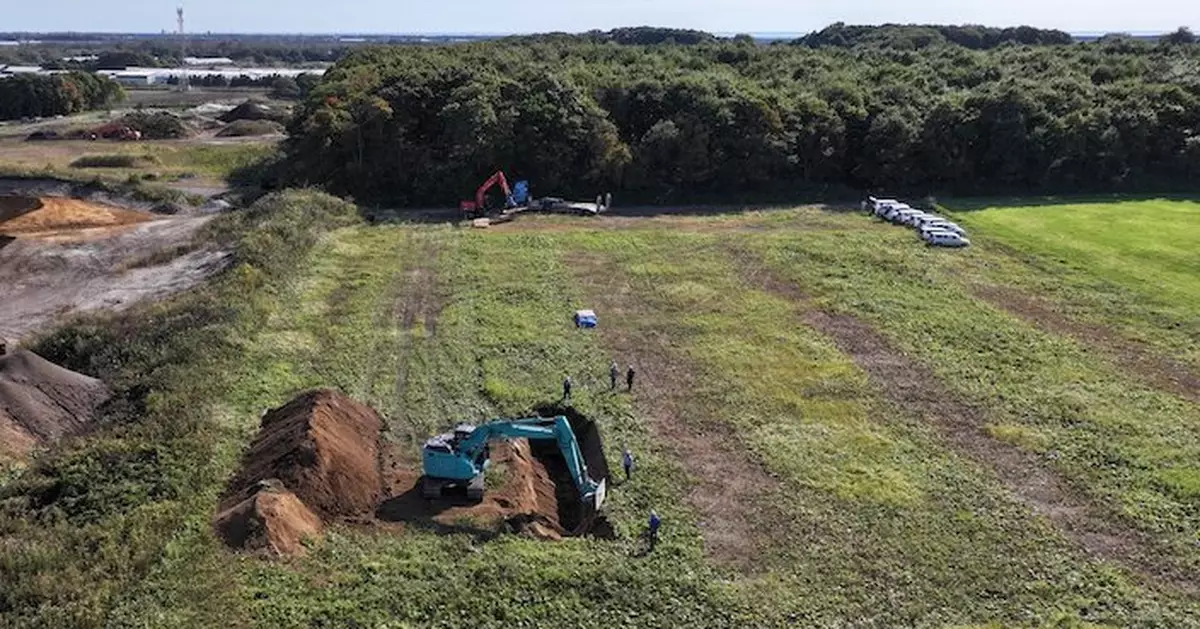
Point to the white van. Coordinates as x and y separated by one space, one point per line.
937 238
945 225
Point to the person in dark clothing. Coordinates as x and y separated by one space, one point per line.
567 389
627 462
613 373
629 378
655 522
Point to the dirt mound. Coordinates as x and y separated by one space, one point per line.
251 110
41 402
323 447
30 215
273 520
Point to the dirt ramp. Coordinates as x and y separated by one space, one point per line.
323 447
41 402
273 521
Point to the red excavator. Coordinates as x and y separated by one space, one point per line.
478 207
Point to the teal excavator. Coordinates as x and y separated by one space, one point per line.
458 459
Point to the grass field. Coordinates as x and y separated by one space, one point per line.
202 161
840 426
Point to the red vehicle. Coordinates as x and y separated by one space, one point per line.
478 207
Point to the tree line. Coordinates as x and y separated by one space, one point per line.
40 95
728 119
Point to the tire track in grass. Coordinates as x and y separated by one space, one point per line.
913 387
1158 371
728 489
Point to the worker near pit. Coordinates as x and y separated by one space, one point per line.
613 373
567 384
655 522
627 462
629 378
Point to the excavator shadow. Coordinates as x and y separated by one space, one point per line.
413 509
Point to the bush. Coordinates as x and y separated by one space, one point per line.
246 128
115 161
159 125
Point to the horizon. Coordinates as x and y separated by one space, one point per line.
722 34
517 17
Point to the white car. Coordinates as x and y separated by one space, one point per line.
928 219
945 225
938 238
878 204
901 215
884 209
915 219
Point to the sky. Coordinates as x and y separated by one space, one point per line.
528 16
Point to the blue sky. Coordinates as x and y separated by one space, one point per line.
522 16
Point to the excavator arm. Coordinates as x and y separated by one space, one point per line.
481 193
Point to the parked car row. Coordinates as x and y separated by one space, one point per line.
935 230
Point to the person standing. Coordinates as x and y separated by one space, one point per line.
629 378
655 522
627 462
567 388
613 373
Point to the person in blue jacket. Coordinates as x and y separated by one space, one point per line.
655 522
627 462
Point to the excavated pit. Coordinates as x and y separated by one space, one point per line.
573 516
532 492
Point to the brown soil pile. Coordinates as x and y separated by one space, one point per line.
315 458
28 215
323 446
525 501
41 402
273 521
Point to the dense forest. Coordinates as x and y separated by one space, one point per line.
34 95
969 111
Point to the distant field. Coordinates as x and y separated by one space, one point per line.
1146 246
205 161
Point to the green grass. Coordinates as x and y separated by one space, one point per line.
1126 265
874 521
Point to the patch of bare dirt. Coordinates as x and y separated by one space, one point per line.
52 275
27 216
1159 371
728 489
914 388
41 402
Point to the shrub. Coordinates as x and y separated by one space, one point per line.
119 160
